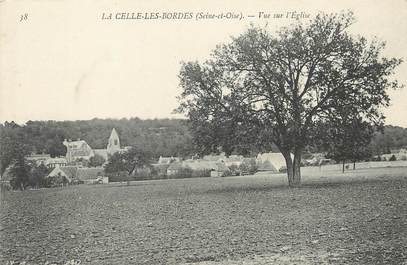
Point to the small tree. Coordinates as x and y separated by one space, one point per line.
346 138
128 161
19 172
248 166
38 175
96 161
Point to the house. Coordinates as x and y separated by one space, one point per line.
216 168
56 162
219 170
236 160
73 174
62 175
47 160
400 154
38 159
271 162
168 160
174 168
92 175
76 150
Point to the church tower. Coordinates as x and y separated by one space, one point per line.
113 145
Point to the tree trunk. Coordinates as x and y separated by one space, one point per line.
343 166
297 168
354 165
293 168
290 168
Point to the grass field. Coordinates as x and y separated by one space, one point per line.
355 218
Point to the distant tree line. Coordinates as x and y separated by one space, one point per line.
162 137
166 137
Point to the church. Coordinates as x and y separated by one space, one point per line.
80 150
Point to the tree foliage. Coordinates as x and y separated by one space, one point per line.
347 138
13 146
166 137
136 157
275 88
37 176
96 161
390 137
19 174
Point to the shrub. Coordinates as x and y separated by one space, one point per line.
38 176
184 172
96 161
187 172
56 181
236 170
393 158
283 169
203 173
143 173
227 173
119 176
159 171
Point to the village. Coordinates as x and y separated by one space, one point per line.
75 167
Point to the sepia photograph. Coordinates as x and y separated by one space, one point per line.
203 132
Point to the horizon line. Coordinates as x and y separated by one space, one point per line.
2 122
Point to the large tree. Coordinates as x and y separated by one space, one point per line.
274 87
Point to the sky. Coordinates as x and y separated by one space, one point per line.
59 60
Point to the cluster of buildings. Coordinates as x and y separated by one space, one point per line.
221 165
399 154
73 167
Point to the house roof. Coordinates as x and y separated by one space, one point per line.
199 165
113 134
101 152
86 173
271 161
78 148
175 166
36 157
167 160
56 160
76 144
69 172
234 158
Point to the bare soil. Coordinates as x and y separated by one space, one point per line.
355 218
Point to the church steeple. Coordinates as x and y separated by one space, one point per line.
113 145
